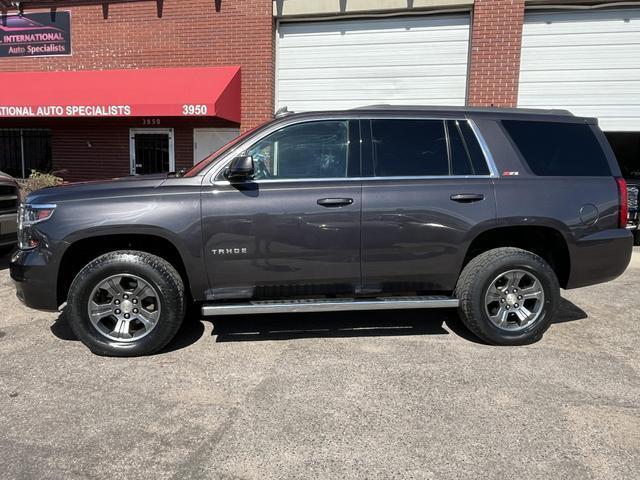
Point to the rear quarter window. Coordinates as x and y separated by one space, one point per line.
558 149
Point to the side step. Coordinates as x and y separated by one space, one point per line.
330 305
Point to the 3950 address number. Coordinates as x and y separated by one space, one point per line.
194 109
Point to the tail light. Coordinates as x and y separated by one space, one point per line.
623 202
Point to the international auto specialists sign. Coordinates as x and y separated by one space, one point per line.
35 34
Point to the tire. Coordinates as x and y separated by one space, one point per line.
146 286
485 294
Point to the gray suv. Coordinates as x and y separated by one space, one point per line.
9 200
490 211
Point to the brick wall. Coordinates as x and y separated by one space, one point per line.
190 33
494 63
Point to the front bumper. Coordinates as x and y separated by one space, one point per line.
600 257
35 278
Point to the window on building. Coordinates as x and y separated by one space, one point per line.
558 149
409 148
306 150
23 150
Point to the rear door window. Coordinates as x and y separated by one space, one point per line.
466 155
558 149
425 148
409 148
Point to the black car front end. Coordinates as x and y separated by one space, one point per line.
33 266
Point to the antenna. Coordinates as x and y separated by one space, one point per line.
282 112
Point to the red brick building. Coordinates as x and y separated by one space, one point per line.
189 33
325 54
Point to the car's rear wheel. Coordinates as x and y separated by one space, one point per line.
126 303
508 296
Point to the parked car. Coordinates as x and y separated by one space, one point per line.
491 211
9 200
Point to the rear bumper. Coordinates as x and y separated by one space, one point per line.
35 279
600 257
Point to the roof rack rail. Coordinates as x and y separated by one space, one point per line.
464 108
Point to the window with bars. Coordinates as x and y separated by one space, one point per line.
23 150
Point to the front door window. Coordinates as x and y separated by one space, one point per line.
303 151
152 151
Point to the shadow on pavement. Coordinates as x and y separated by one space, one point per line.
252 328
61 328
329 325
190 332
356 324
569 312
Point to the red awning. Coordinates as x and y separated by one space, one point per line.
154 92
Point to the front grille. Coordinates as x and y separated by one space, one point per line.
632 196
9 199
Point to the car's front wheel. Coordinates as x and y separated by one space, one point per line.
508 296
126 303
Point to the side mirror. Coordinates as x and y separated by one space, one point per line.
240 168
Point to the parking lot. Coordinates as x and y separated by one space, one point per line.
359 395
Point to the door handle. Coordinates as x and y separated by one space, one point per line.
335 202
467 197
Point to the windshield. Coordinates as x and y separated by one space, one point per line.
205 162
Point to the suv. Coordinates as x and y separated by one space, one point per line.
9 200
491 211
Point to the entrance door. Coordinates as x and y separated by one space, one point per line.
151 151
208 140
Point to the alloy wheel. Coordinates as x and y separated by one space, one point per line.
124 308
514 300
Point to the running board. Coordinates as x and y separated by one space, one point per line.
330 305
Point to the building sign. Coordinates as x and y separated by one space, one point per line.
187 110
65 111
35 34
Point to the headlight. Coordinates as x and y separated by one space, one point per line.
28 216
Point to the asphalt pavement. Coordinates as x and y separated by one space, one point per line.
382 395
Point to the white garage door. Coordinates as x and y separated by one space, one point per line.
351 63
587 62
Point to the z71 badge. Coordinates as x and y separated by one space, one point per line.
229 251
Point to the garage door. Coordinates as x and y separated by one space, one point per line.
587 62
351 63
